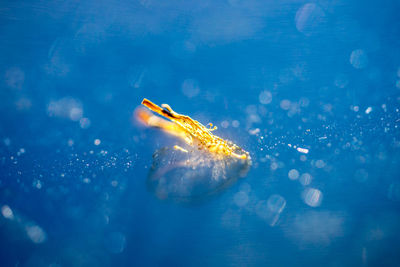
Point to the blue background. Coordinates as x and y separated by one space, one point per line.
272 75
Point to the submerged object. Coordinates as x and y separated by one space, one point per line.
204 166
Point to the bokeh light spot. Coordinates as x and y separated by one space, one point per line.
359 59
312 197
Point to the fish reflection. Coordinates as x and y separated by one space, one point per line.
205 165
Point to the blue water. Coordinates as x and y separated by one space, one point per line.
310 89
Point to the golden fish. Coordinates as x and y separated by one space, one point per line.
206 165
191 131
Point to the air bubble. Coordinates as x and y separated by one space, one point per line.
276 203
359 59
293 174
305 179
36 234
190 88
312 197
265 97
7 212
241 199
309 18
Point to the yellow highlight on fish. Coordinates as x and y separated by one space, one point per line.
191 131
